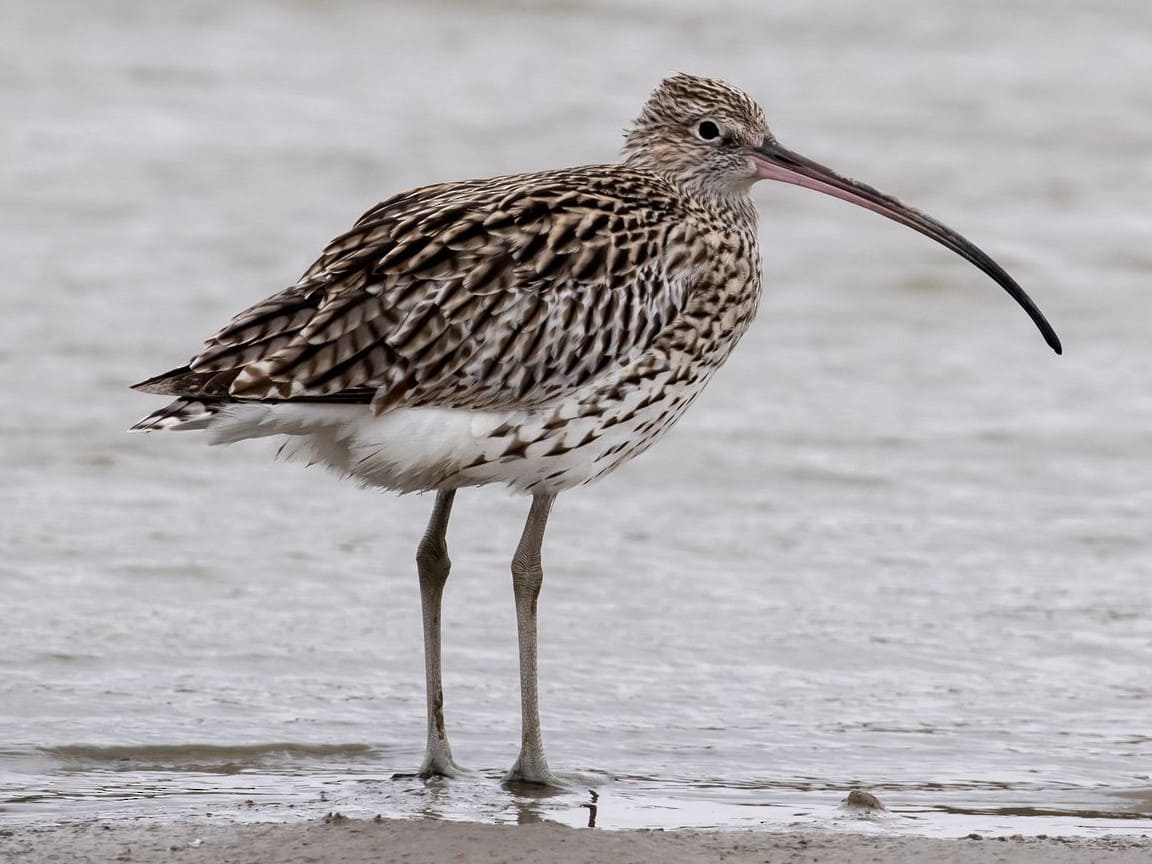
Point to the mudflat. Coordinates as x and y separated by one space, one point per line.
352 841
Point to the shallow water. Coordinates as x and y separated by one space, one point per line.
897 545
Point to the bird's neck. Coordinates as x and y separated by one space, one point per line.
733 203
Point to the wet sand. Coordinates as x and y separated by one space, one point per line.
351 841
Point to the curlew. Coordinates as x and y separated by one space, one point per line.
537 330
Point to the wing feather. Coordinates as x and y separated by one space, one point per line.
505 293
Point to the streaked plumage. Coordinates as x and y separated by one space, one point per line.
536 329
560 304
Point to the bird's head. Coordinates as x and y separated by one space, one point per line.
700 133
712 140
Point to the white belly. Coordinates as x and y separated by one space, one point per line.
421 449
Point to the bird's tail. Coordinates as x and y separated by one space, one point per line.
186 413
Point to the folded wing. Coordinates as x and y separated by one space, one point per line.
485 295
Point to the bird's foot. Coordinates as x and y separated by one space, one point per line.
438 762
531 769
426 772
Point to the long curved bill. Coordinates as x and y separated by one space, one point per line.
773 162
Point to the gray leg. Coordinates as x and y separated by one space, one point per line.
527 576
433 563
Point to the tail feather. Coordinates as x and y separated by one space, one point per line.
185 414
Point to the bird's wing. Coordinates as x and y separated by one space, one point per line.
504 293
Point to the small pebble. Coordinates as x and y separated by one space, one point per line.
862 800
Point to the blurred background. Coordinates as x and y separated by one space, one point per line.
898 544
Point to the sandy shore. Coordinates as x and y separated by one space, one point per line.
350 841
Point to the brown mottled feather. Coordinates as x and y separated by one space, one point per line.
512 292
504 293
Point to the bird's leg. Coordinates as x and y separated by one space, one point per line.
433 563
527 576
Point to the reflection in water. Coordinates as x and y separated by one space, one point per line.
436 798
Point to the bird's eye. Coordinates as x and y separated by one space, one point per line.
707 130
